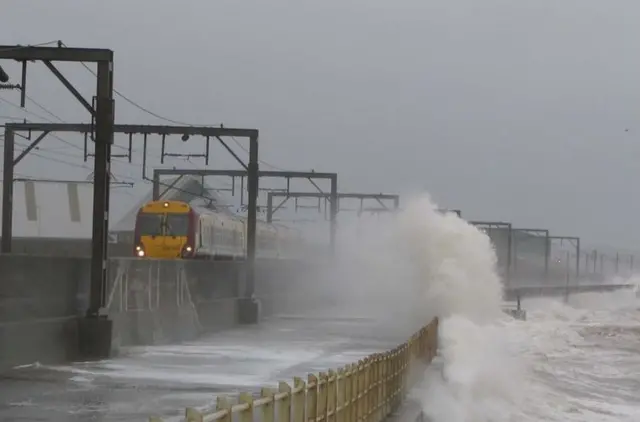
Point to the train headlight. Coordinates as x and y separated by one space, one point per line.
187 250
140 253
166 205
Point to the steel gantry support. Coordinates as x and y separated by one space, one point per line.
252 183
446 211
380 197
487 226
93 333
98 294
547 244
575 241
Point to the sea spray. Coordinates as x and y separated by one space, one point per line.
477 378
420 263
453 261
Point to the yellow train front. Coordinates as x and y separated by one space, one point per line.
178 230
166 230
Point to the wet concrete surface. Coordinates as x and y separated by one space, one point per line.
163 380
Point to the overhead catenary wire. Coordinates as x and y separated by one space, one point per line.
161 117
42 44
4 77
46 119
64 141
53 135
121 95
39 152
133 103
61 44
68 143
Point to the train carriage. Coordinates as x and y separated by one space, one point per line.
175 229
219 236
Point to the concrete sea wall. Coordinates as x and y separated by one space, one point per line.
149 302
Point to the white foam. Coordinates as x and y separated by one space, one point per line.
29 365
242 366
492 368
572 362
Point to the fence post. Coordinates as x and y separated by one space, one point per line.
323 397
367 391
332 396
223 404
192 415
378 387
396 379
312 398
284 410
268 409
246 415
407 374
361 391
385 384
341 402
351 387
367 388
298 400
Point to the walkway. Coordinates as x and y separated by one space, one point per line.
163 380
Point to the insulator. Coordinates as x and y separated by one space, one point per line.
3 75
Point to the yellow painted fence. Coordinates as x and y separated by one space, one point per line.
367 391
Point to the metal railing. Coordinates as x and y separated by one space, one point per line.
369 390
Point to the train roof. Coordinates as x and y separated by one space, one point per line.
190 189
224 211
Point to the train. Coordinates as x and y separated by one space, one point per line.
180 230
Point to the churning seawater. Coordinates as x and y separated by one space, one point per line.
567 362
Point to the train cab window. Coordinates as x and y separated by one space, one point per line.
149 224
177 224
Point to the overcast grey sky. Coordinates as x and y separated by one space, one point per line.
509 110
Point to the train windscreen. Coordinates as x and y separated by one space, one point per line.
149 224
177 225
